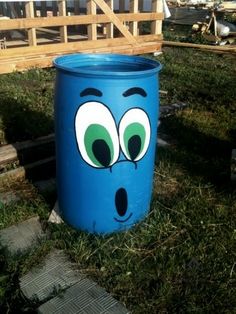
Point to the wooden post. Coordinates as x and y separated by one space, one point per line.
29 11
134 9
92 29
62 12
215 24
110 26
116 21
156 26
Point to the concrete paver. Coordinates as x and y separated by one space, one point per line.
20 237
85 297
54 274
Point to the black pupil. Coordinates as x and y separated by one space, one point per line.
102 152
134 146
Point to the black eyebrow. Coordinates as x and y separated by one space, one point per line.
135 90
91 91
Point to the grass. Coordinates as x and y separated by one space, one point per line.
182 257
26 105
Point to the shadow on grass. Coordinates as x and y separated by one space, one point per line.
22 123
200 154
22 119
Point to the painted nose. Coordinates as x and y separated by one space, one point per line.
121 201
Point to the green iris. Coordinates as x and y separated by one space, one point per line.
99 145
134 139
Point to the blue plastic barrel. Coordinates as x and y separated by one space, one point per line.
106 113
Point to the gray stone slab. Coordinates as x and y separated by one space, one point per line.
21 237
85 297
53 275
7 198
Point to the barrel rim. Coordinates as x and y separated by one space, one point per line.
65 63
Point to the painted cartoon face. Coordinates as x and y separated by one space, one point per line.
106 113
112 150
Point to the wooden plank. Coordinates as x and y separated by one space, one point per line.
62 12
115 20
42 61
28 170
92 29
231 49
19 65
8 62
9 153
128 49
134 9
156 26
71 47
15 174
29 11
110 26
74 20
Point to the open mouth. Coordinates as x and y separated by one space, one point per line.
121 203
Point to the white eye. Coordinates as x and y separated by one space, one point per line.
96 135
134 133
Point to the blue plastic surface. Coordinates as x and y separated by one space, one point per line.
106 113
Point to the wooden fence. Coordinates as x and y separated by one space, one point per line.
45 32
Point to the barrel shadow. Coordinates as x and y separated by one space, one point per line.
201 155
